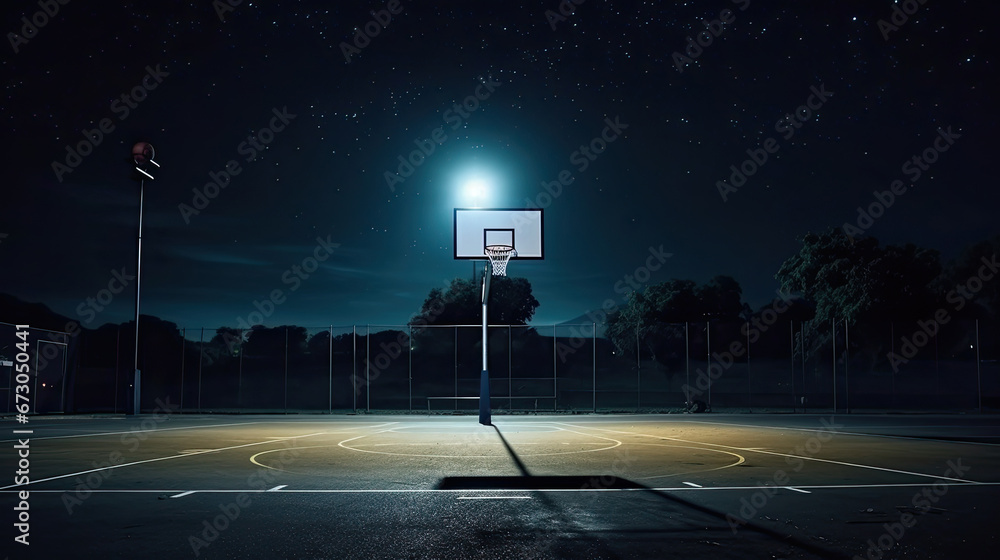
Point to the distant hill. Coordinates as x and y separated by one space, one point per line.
17 311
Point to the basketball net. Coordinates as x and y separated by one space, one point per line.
499 255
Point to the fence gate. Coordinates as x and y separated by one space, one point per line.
50 377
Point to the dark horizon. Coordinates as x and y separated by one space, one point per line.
275 142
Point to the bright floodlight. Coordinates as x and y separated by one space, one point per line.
475 190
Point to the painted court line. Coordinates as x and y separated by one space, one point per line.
860 433
109 467
139 431
494 497
802 457
800 487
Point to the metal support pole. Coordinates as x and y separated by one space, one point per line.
593 345
138 279
510 373
485 414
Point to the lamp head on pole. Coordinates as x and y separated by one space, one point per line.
143 154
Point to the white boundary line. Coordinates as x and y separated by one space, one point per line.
802 457
187 428
919 438
109 467
800 487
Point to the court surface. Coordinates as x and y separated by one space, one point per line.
561 486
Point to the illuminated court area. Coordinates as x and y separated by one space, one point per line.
560 486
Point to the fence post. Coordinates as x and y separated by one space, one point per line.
791 352
749 379
847 361
118 351
892 372
687 364
638 371
833 346
555 369
593 338
510 374
331 370
708 359
286 370
368 367
183 348
354 367
239 379
409 365
979 373
201 359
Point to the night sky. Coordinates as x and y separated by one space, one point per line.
199 79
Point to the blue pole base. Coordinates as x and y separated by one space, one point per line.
484 399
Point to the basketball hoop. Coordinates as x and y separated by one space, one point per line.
499 255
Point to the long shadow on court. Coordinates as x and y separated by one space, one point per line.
528 482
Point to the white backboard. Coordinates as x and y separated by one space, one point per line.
475 228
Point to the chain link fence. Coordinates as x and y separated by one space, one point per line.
720 366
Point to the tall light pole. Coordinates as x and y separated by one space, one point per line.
142 155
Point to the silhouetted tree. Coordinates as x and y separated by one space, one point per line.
510 303
655 316
859 281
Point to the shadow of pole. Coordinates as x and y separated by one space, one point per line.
510 451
